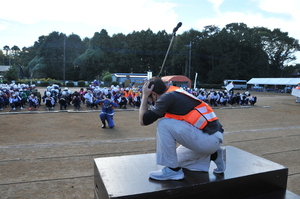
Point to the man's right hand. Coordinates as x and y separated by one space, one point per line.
146 90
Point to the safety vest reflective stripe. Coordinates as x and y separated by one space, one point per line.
199 116
201 122
110 114
202 109
210 116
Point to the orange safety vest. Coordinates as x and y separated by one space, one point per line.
126 93
298 87
199 116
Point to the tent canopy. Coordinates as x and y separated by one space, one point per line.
274 81
179 80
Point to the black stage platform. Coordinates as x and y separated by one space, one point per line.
246 176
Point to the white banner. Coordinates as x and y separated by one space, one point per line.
229 86
296 92
149 75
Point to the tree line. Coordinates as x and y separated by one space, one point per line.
233 52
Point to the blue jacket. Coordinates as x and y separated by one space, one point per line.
108 106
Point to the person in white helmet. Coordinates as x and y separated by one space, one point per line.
15 101
63 100
33 102
49 101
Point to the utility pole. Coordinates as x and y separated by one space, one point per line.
190 59
64 62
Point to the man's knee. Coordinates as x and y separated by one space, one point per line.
163 122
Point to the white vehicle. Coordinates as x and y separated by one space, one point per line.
237 84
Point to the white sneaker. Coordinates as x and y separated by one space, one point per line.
220 161
167 174
21 108
14 109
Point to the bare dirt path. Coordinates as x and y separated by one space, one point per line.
50 154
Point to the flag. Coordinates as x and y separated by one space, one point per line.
229 86
296 92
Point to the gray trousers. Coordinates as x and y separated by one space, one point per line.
195 147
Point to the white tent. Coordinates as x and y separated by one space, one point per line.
274 81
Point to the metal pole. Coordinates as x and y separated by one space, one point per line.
174 34
166 55
190 59
64 62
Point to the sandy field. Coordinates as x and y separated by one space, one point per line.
50 154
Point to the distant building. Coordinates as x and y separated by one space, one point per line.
3 69
129 79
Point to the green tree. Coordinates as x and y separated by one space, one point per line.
6 61
122 59
29 57
74 47
148 50
15 50
97 57
235 51
186 54
26 55
106 76
279 47
55 53
240 53
11 74
14 57
2 57
6 49
48 61
161 43
291 70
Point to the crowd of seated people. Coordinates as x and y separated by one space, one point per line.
225 98
15 97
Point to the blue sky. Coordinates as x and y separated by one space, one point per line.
22 22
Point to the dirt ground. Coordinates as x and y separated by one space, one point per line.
50 154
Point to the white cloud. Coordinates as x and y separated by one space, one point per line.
130 14
290 7
126 16
4 25
216 5
256 18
